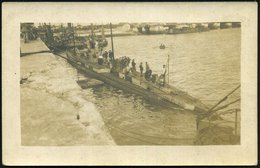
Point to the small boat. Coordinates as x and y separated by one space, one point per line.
162 46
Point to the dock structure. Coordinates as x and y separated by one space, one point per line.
41 108
33 47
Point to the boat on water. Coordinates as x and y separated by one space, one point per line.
162 46
167 95
86 61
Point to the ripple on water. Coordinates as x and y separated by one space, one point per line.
206 65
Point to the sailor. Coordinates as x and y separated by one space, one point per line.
128 61
133 65
141 68
162 77
146 66
100 59
127 71
149 74
124 61
111 55
164 71
105 55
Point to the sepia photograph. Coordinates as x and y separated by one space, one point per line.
120 83
130 83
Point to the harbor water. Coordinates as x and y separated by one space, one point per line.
206 65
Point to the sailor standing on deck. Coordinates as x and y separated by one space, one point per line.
141 68
127 71
133 65
100 59
162 77
164 71
111 55
146 67
105 55
148 72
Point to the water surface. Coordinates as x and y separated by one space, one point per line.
206 65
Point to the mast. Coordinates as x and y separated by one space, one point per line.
73 38
112 40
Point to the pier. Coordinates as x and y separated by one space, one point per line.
48 118
33 47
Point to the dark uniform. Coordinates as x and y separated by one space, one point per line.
133 65
141 68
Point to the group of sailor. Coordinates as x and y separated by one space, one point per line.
128 67
149 77
94 42
105 57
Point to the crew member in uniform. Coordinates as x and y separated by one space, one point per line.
133 65
141 68
162 77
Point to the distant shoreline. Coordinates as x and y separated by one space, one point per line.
156 33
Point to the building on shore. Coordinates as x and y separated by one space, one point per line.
202 27
158 29
214 25
192 25
126 27
236 24
225 25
